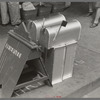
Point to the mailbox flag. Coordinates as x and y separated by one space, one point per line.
64 23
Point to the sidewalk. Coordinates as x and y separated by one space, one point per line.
93 94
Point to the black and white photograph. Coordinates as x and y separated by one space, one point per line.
49 49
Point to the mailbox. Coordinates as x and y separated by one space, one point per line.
34 27
61 49
65 35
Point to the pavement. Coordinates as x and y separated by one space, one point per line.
93 94
86 73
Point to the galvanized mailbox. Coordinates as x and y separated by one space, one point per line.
67 34
61 49
34 27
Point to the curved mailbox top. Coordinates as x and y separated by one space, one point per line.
71 32
35 26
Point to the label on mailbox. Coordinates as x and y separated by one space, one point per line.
14 51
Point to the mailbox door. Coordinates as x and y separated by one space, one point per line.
58 65
69 60
55 64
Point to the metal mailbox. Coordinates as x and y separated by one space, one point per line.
67 34
34 27
61 51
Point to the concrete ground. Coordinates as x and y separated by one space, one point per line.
86 74
93 94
